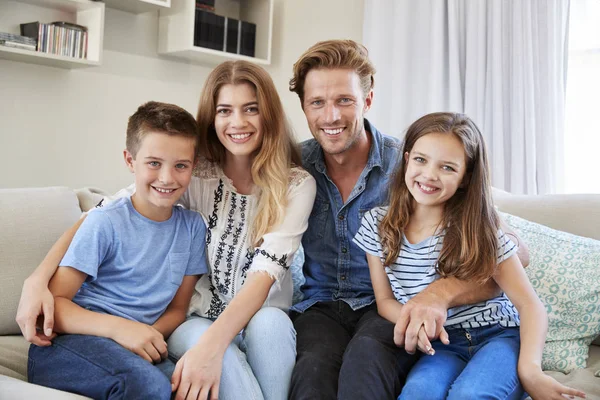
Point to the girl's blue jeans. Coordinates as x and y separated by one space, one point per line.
479 363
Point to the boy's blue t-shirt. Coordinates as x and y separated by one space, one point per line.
135 265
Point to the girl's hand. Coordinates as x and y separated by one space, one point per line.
36 301
424 344
543 387
141 339
198 373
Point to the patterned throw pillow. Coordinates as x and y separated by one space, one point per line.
565 272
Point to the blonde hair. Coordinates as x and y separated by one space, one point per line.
278 151
471 223
331 54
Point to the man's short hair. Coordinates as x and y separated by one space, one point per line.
333 54
165 118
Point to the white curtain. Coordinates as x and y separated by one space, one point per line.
502 62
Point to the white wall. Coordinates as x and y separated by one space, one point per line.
67 127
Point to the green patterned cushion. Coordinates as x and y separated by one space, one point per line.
565 272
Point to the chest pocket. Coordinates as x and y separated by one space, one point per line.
178 263
318 220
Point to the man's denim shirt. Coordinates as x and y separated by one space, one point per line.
335 268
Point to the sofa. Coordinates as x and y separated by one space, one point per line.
32 219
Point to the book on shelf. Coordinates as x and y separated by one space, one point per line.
247 38
209 30
17 41
232 35
59 38
17 45
225 34
206 5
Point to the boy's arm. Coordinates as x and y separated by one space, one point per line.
139 338
176 312
36 299
70 317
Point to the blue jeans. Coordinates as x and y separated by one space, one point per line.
99 368
257 364
479 363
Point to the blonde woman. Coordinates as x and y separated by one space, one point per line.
238 339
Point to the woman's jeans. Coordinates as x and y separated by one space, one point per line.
257 364
479 363
99 368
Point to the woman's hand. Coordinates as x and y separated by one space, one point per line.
141 339
198 373
36 303
543 387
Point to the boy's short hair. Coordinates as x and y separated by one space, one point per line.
154 116
333 54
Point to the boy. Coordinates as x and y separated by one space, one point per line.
127 279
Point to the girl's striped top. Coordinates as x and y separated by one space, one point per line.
415 269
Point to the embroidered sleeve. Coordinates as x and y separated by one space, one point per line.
277 250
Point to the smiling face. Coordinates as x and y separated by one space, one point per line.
238 122
435 168
163 169
335 105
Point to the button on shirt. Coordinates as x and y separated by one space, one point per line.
335 267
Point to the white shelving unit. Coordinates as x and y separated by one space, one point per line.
138 6
81 12
176 30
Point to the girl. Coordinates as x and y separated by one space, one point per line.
256 202
441 222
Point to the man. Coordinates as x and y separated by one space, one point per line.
345 349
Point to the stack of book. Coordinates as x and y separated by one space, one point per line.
209 30
60 38
207 5
216 32
17 41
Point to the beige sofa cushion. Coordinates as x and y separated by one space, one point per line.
578 214
31 220
13 389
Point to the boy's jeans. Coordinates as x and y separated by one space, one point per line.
479 363
99 368
258 363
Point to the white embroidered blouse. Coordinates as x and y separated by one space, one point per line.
228 216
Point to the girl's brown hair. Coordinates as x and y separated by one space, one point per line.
469 249
278 151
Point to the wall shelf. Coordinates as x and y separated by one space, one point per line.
176 30
51 60
82 12
138 6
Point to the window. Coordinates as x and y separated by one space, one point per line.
582 113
